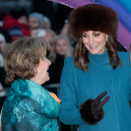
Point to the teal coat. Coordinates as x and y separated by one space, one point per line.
29 107
77 86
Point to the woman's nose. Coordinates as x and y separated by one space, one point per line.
90 40
49 62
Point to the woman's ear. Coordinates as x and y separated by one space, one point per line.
106 36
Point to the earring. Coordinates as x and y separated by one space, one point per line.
36 72
106 39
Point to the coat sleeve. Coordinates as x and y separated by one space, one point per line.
51 108
69 113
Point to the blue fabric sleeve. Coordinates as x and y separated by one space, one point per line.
46 107
69 113
49 107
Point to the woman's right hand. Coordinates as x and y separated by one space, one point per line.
91 110
97 104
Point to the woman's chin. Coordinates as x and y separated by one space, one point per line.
97 51
48 78
94 52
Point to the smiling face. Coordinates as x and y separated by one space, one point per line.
42 74
33 23
95 41
61 46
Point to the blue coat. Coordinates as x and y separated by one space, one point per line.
29 107
77 86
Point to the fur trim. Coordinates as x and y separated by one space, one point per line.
93 17
87 115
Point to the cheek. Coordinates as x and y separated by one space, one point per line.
42 66
2 45
25 21
85 41
65 48
101 39
37 23
30 24
29 21
57 49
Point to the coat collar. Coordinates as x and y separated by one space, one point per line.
32 90
27 87
99 59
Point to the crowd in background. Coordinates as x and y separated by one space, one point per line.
60 44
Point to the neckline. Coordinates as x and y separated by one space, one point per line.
99 59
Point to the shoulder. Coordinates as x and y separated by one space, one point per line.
69 61
124 56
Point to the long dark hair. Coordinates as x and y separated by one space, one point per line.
81 55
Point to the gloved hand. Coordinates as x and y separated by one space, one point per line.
91 111
97 104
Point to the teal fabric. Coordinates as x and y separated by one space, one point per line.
29 107
77 86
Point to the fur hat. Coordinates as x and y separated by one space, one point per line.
93 17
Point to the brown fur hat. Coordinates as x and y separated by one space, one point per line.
93 17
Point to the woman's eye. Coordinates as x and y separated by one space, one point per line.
96 35
85 36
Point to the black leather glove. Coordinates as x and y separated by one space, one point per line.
97 104
91 110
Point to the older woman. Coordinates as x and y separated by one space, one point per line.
28 106
96 68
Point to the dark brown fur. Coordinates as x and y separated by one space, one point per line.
93 17
86 114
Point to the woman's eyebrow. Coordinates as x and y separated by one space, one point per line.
84 33
95 32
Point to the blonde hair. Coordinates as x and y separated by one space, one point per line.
52 55
22 57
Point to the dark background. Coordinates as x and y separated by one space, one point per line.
57 13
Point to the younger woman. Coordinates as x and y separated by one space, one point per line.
96 68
